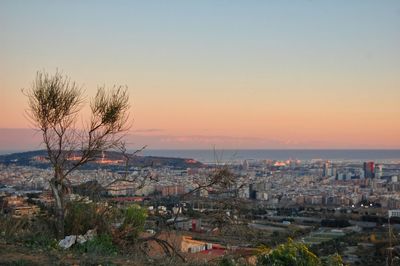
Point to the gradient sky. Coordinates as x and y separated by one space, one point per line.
234 74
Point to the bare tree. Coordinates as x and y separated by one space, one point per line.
54 105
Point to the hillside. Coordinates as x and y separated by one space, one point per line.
108 159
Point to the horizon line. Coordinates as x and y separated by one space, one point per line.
230 149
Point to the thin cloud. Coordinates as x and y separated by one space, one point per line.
147 130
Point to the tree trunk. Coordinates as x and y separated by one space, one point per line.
59 207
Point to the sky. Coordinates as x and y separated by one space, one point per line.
226 74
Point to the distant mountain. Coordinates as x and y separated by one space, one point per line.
108 160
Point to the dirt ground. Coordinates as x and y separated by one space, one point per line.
12 254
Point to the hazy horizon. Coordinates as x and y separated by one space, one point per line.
30 139
232 155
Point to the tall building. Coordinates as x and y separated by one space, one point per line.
369 169
378 171
326 170
245 165
334 170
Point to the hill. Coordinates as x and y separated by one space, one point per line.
108 159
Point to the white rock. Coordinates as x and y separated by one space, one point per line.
81 239
90 234
67 242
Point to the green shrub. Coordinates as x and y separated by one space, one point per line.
290 253
133 221
296 254
101 244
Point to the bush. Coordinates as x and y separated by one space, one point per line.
81 217
41 240
295 254
35 232
290 253
133 221
101 244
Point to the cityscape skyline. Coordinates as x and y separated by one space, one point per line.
200 132
231 75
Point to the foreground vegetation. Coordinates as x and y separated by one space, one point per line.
33 242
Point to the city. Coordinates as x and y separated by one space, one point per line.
314 201
222 133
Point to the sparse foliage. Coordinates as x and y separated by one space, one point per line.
54 104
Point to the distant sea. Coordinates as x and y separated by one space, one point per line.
209 156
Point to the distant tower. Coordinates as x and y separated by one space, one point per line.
362 174
245 165
326 171
369 169
333 170
378 171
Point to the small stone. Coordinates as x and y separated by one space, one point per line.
67 242
90 234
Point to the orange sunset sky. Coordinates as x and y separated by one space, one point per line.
230 74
